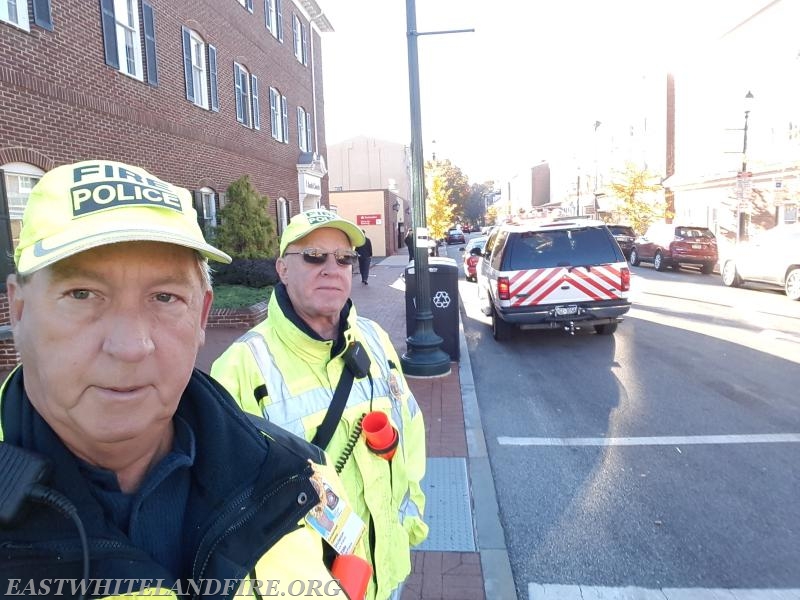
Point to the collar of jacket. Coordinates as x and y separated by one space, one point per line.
297 332
234 515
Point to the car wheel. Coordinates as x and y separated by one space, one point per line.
729 275
500 329
707 268
606 328
658 261
792 286
634 258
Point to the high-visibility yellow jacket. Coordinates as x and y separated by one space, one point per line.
243 525
301 372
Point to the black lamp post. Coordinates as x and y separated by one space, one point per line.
424 357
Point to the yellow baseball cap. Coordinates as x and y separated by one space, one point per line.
304 223
97 202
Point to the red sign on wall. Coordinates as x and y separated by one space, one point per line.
368 219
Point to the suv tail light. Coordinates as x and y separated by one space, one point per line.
625 278
503 288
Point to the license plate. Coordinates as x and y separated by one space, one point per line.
567 310
697 246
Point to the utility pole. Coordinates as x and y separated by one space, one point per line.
743 183
424 357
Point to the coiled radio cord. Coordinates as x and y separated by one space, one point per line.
356 433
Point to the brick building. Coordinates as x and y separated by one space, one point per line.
199 93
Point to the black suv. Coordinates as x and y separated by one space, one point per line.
564 274
625 235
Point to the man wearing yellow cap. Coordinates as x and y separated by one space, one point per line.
165 486
316 368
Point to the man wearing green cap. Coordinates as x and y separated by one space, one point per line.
316 368
166 483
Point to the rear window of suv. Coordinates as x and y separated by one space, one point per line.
693 232
621 230
560 248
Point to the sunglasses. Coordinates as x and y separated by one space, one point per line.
315 256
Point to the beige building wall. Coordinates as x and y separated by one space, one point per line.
374 212
365 163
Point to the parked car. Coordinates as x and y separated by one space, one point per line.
472 254
568 274
772 258
669 245
625 236
454 236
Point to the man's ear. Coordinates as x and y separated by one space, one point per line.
208 301
16 300
281 267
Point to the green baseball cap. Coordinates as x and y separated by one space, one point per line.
80 206
304 223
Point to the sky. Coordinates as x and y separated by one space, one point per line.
526 86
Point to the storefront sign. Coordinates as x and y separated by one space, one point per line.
368 220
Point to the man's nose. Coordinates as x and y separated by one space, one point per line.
129 336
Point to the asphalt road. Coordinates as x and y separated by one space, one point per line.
664 456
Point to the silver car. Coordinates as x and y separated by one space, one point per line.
771 258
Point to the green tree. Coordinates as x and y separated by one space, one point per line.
246 230
439 208
455 181
637 188
476 204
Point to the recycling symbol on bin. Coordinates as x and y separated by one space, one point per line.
441 299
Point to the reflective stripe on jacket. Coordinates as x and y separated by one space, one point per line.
300 377
242 523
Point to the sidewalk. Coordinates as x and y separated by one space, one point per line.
464 557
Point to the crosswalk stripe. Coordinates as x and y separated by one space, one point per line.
537 591
669 440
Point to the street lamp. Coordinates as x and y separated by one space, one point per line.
744 181
424 357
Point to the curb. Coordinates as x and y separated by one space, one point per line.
498 581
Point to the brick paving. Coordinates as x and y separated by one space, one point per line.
435 575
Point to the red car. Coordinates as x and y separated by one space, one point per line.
669 245
472 254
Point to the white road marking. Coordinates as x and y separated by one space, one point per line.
669 440
538 591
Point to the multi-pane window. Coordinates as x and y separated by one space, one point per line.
200 70
122 38
19 180
300 36
248 4
279 116
15 12
247 103
273 11
303 129
283 214
128 48
209 204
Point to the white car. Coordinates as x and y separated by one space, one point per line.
771 258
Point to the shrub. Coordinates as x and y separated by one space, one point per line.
246 230
252 272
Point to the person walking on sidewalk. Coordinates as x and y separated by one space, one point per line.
168 484
316 368
364 258
409 242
